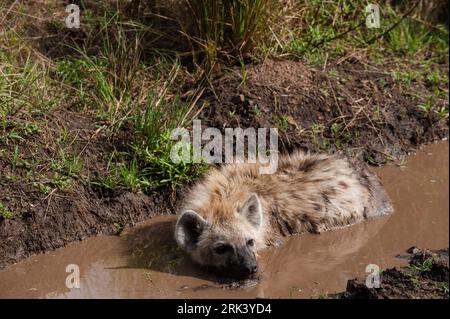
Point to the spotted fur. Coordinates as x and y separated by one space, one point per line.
310 193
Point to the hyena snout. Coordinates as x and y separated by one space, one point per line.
246 264
250 268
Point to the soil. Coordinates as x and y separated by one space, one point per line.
352 106
407 282
373 119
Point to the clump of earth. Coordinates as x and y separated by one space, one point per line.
426 277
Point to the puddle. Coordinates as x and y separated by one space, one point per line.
145 263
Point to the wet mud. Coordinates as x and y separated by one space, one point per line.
426 276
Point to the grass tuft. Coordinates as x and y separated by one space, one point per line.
228 30
5 213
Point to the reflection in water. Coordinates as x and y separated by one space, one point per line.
145 263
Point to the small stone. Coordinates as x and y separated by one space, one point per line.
413 250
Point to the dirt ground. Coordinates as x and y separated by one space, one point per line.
357 109
352 106
426 277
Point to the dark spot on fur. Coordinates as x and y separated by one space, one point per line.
311 164
310 224
325 198
308 166
364 180
297 196
342 184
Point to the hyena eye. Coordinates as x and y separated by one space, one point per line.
222 249
250 242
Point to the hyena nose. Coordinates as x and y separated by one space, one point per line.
254 269
251 269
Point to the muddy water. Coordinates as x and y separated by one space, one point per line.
144 263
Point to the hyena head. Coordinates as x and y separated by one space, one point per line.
227 245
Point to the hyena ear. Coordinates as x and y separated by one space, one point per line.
252 211
188 229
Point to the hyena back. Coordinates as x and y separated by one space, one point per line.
236 211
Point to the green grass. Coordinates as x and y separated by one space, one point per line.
327 30
426 265
110 79
318 136
442 287
431 108
26 92
5 212
281 122
69 165
148 164
415 40
323 295
60 181
406 77
435 78
43 188
230 29
415 281
124 93
114 83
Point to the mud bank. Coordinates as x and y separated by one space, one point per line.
144 262
351 106
426 276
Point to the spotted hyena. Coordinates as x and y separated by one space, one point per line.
236 211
